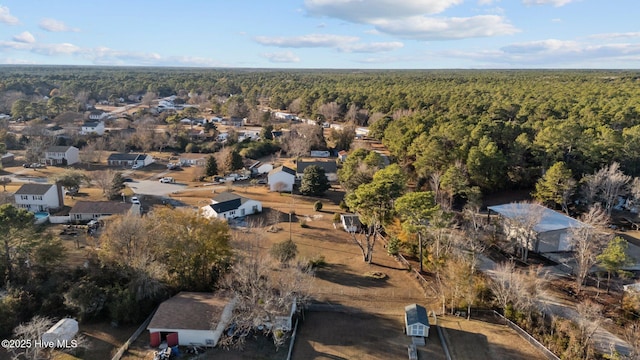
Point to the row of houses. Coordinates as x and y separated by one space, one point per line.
69 155
283 178
46 198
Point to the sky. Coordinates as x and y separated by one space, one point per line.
346 34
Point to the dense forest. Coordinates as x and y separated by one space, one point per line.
506 126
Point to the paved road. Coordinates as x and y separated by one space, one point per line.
602 338
155 187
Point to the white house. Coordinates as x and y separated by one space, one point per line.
342 155
350 222
330 168
264 168
39 197
98 115
281 179
193 159
284 116
187 318
61 155
228 205
416 323
129 160
92 127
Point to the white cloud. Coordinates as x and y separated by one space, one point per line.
428 28
413 19
609 36
373 47
281 57
6 17
54 25
339 42
361 11
25 37
311 40
555 53
12 61
107 56
556 3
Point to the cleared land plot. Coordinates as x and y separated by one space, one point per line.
329 335
478 340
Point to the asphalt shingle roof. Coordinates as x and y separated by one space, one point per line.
416 314
34 189
100 207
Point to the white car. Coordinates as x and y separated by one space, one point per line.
167 179
136 166
134 200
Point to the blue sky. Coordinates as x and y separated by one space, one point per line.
387 34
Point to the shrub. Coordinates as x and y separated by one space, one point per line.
317 262
393 248
284 251
336 217
317 206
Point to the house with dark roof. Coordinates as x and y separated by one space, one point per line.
416 323
61 155
281 179
350 223
191 318
39 197
228 205
93 210
330 168
132 160
98 114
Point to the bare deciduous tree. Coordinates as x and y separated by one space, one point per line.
31 331
588 241
264 297
519 226
330 111
148 98
605 186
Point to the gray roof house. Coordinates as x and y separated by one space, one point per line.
90 210
416 322
330 168
129 159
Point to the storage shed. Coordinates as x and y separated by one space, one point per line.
191 318
417 323
62 332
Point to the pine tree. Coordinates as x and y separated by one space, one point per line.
314 181
211 168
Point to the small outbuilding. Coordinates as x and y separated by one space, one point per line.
191 318
62 332
417 323
350 223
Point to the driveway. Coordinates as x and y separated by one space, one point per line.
154 187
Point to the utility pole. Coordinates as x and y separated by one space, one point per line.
290 213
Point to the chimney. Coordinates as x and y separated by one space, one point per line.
60 195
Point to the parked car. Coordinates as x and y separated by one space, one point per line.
242 177
167 179
127 180
136 166
262 182
134 200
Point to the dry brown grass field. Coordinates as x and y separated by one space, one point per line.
368 322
